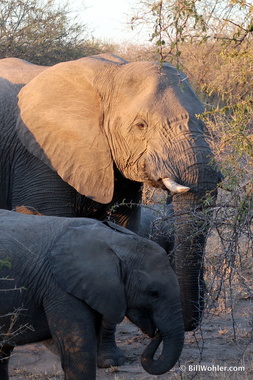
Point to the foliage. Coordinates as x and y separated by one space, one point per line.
42 32
168 21
5 262
173 23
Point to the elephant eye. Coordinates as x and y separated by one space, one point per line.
154 293
141 125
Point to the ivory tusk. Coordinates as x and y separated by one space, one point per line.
174 187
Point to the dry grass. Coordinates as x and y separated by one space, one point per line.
23 374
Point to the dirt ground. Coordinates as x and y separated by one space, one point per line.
205 354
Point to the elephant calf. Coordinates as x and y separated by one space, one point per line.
60 276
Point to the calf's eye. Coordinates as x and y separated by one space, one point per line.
154 293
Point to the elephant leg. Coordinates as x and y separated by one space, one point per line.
4 361
75 328
108 352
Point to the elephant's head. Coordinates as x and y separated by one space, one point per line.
118 273
84 118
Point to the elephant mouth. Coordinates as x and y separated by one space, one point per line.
167 183
143 320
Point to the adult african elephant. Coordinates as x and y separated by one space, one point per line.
68 273
88 133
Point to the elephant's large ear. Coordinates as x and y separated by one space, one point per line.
61 116
85 266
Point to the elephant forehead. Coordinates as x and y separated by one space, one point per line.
144 77
151 92
142 69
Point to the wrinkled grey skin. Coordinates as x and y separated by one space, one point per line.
68 273
88 133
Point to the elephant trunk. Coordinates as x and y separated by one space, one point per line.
172 348
191 159
189 245
186 169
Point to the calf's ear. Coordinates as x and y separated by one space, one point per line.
85 266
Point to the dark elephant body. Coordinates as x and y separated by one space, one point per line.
63 275
84 135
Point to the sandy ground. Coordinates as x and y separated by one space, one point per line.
206 352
